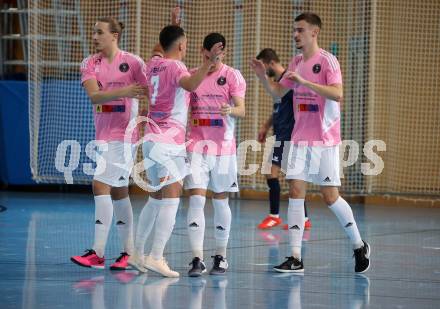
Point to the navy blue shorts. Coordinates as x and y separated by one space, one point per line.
277 156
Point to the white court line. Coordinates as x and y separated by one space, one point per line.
433 248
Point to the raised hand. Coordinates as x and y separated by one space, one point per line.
258 67
175 16
293 76
215 52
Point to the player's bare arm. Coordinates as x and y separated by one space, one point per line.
190 83
175 16
238 110
175 20
262 132
332 92
98 96
275 89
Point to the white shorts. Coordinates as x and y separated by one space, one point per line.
315 164
215 173
164 164
113 166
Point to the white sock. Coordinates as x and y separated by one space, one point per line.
124 223
345 216
295 220
222 223
103 221
145 224
196 224
164 226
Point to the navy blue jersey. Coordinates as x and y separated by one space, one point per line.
283 119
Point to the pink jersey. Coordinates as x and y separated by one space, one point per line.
317 119
112 118
168 110
207 125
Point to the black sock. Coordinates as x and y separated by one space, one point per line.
305 210
274 195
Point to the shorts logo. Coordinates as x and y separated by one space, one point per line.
123 67
121 178
221 80
295 227
276 159
234 185
327 179
316 68
220 228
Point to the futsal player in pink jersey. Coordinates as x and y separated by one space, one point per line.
114 81
215 106
315 77
164 148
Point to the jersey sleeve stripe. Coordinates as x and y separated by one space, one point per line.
139 59
331 59
85 62
181 65
239 77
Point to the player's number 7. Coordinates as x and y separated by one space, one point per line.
155 82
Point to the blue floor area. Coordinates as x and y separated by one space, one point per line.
39 233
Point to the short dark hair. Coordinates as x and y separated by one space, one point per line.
213 38
310 18
170 34
267 55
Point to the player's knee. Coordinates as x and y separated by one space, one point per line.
330 195
200 192
157 195
100 188
220 196
119 193
173 190
274 171
297 191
